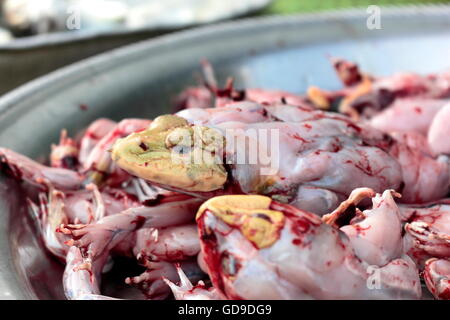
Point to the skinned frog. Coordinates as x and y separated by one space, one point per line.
310 159
257 248
173 152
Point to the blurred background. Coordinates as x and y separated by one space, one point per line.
38 36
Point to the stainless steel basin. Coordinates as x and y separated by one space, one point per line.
140 80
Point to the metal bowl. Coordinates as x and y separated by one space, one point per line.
140 80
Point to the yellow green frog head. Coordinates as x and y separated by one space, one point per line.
173 152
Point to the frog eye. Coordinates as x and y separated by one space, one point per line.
143 146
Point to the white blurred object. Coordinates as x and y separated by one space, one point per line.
38 16
95 14
185 12
5 36
42 16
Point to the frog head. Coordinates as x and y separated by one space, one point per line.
175 153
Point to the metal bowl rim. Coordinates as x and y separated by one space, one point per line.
102 60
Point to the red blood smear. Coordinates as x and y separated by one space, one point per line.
364 164
211 254
295 213
445 295
355 127
165 198
303 221
359 229
336 147
139 222
301 226
298 137
91 135
212 257
83 107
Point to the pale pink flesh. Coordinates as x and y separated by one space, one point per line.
99 162
106 233
408 114
186 291
427 231
425 178
35 173
58 208
94 133
439 133
437 278
312 260
316 150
